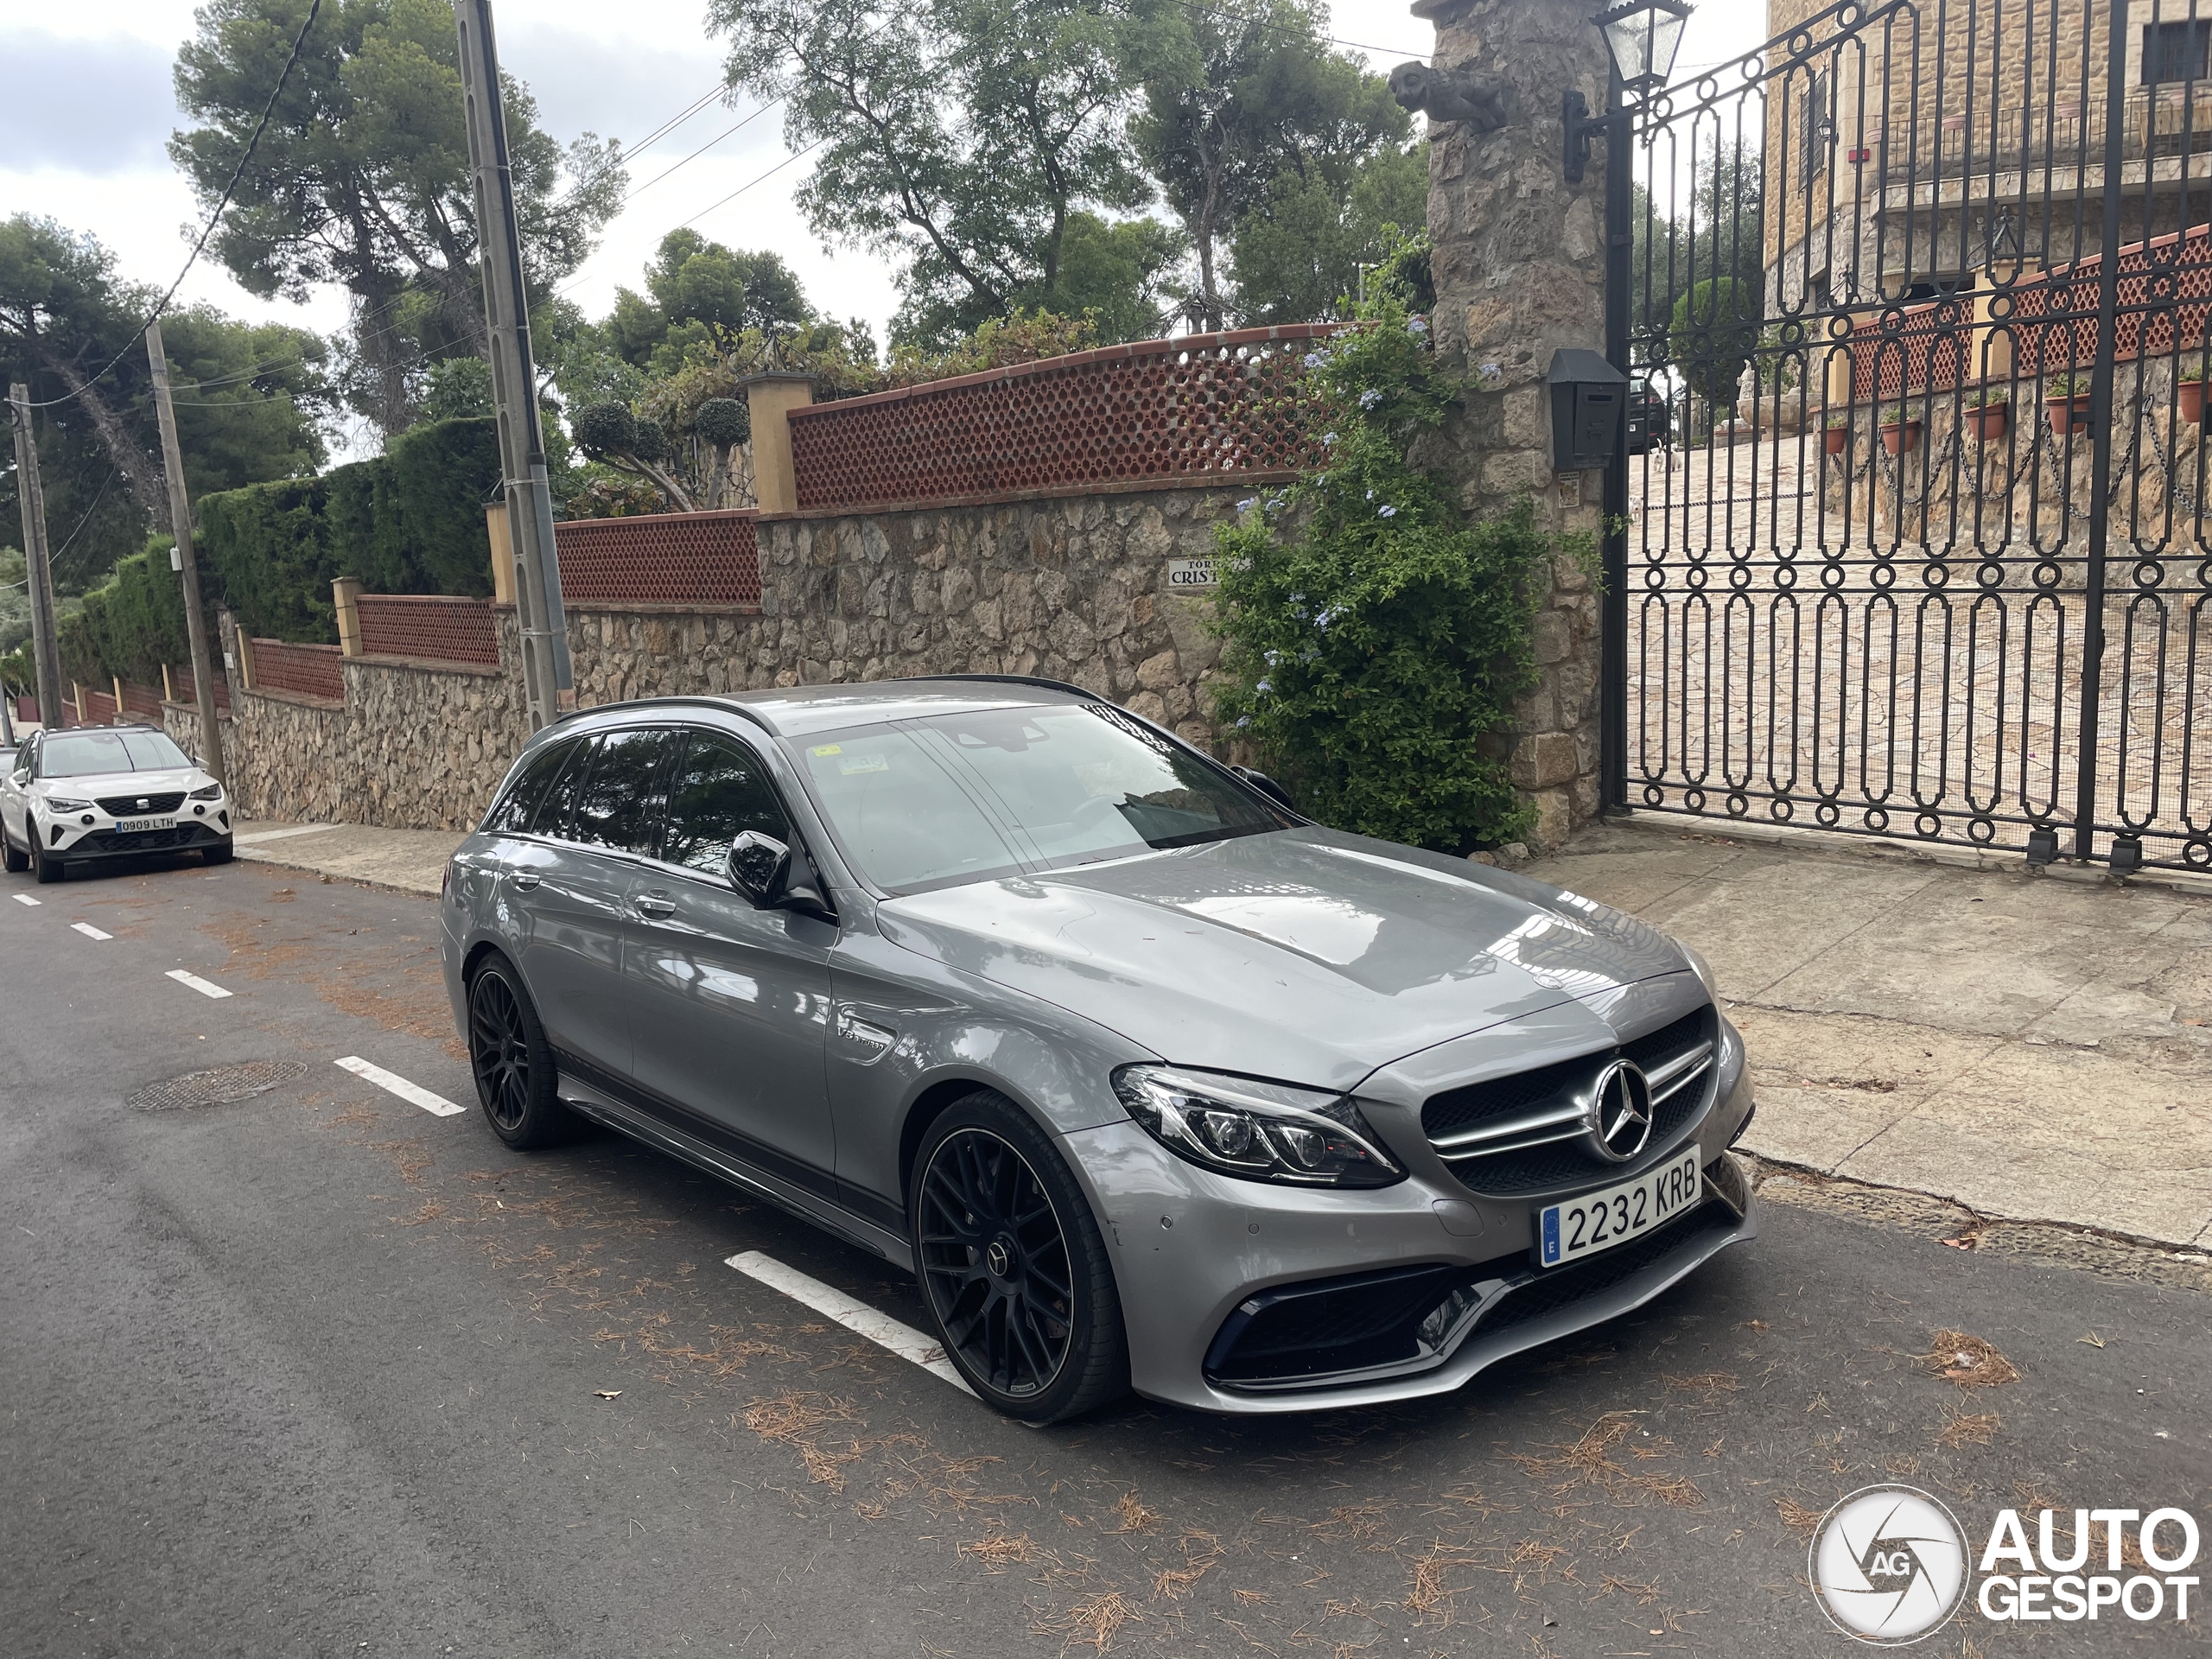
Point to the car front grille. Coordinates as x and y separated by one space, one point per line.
1523 1134
141 806
144 841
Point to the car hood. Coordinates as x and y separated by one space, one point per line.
1306 955
98 784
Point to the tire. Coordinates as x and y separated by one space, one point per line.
12 858
511 1061
220 855
47 869
1041 1338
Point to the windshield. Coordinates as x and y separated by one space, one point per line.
80 754
960 798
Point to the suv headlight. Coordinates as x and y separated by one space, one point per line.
212 793
1260 1131
64 804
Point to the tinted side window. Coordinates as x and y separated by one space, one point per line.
719 788
512 813
555 808
614 808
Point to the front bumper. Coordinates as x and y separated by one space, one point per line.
1194 1254
82 843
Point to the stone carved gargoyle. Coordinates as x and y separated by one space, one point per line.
1450 95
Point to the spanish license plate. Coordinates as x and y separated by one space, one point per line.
139 826
1575 1228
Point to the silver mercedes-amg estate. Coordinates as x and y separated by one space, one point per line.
1152 1082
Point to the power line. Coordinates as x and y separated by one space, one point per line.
764 178
214 219
701 150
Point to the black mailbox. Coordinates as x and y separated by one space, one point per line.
1589 400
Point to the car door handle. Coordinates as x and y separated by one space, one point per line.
654 906
527 878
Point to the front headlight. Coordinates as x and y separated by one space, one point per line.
212 793
63 803
1260 1131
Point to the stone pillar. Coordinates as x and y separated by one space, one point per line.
503 553
767 398
346 596
1519 263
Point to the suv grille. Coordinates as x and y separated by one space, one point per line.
1524 1133
127 806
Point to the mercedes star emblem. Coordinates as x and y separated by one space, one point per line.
1618 1117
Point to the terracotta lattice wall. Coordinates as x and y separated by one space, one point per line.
688 558
304 670
428 628
2049 320
1224 406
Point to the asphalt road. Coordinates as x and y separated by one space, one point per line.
318 1372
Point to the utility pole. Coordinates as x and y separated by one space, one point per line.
547 683
195 623
45 654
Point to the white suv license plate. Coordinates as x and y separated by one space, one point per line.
1575 1228
139 826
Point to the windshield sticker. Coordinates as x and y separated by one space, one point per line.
854 763
827 749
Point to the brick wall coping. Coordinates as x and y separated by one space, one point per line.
427 666
1134 350
1046 492
299 699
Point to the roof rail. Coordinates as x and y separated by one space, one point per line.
1014 679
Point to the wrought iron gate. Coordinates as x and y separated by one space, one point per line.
1926 289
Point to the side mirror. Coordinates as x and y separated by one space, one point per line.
757 865
777 877
22 775
1266 785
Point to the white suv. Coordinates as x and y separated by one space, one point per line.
116 791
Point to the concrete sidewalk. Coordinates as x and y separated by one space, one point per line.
403 860
2029 1048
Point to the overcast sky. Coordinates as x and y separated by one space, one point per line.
88 107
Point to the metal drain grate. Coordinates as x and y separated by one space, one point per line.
216 1085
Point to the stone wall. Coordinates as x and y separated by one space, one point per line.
1520 273
1067 588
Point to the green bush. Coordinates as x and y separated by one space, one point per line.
1377 636
129 625
410 521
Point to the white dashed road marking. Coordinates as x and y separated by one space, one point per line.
392 1083
858 1317
90 932
25 899
204 987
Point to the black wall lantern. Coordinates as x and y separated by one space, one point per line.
1641 36
1589 400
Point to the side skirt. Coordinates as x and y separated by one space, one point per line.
603 1107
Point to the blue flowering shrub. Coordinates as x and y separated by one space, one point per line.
1374 634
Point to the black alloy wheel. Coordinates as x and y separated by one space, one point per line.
511 1061
996 1262
12 858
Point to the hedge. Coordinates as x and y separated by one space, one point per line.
129 626
410 521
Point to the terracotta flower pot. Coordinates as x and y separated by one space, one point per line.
2068 414
1988 422
1833 440
1900 436
2190 394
